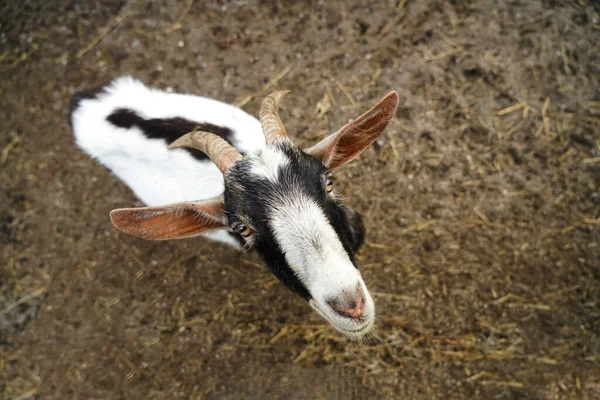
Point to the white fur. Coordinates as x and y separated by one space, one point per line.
267 163
157 175
314 251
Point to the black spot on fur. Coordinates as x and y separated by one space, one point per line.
357 229
168 129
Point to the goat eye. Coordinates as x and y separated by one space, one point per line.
329 184
243 230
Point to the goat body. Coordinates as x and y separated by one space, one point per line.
127 127
205 167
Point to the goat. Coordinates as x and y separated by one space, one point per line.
203 167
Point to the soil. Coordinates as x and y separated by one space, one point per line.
481 202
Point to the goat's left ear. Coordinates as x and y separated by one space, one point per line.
174 221
356 136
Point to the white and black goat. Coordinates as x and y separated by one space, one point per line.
257 190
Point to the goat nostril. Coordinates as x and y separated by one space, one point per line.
349 307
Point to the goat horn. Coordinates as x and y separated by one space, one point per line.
218 150
270 121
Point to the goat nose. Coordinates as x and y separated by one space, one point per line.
349 304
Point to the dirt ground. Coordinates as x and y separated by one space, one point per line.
482 203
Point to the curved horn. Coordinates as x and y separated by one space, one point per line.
272 126
218 150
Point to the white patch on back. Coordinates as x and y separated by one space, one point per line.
267 163
156 174
311 246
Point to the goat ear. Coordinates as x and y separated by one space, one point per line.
174 221
356 136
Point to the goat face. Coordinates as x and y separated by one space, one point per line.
282 203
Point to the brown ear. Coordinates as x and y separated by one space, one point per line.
352 139
174 221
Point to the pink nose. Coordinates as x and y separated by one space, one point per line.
349 304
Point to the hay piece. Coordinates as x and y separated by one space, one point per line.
278 77
105 31
24 299
512 108
6 150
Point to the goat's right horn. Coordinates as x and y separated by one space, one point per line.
218 150
270 121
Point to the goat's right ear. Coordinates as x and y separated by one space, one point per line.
347 143
174 221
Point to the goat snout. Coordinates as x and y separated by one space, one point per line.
349 304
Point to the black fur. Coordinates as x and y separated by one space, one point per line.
357 229
169 129
247 199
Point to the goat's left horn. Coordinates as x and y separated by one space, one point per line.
218 150
270 121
